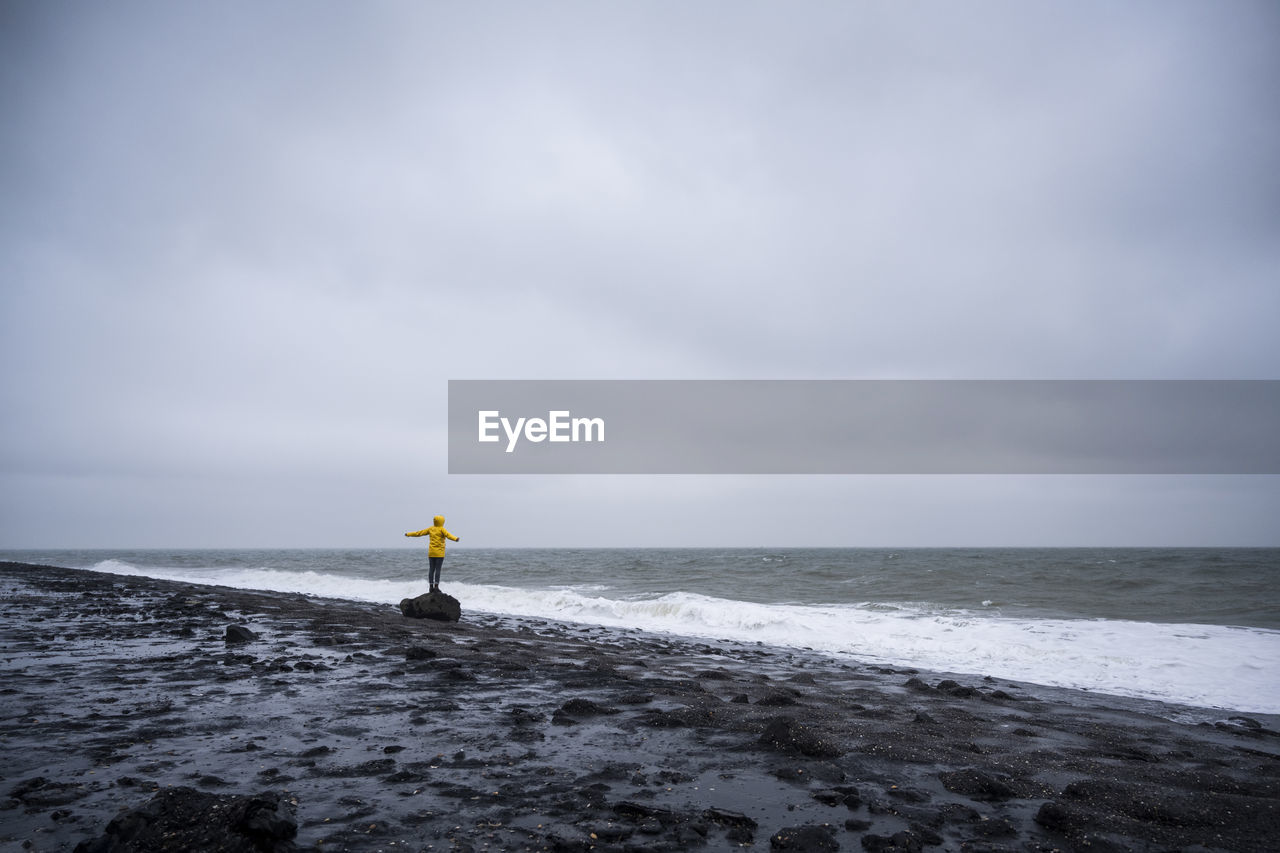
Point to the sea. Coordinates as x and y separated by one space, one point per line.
1192 626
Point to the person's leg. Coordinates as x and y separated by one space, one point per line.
433 573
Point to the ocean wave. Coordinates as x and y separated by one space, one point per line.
1203 665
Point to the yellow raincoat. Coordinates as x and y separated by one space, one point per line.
438 534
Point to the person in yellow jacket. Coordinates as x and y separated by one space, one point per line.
435 549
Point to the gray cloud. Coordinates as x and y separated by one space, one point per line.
243 247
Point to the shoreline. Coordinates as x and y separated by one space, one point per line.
1203 650
513 733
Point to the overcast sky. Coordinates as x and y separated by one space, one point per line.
243 246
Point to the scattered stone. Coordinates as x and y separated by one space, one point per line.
976 785
585 708
40 792
908 795
131 782
724 817
187 819
805 838
777 699
956 689
995 827
640 812
310 666
1139 803
785 734
522 716
842 796
1059 817
458 674
900 842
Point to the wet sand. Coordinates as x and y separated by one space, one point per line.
359 729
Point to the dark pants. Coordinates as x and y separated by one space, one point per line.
433 573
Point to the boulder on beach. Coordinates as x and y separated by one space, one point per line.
239 634
432 605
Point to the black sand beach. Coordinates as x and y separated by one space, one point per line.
346 726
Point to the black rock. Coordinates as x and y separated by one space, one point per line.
432 605
187 819
841 796
777 698
239 634
785 734
456 674
805 838
632 810
585 708
995 827
899 842
40 792
522 716
724 817
1059 817
976 785
608 832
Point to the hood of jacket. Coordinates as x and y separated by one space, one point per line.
439 520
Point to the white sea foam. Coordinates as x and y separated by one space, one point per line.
1203 665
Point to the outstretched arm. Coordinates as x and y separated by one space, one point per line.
419 532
